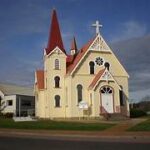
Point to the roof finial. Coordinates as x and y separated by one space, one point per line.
97 26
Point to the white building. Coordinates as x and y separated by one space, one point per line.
16 100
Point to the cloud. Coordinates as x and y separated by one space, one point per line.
134 55
128 30
23 18
22 72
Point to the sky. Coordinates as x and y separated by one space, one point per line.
24 29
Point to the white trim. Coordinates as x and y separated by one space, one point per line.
44 52
89 49
106 80
121 64
78 63
57 50
100 51
100 42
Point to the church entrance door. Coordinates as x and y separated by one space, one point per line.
107 99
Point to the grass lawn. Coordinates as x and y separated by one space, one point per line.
144 126
54 125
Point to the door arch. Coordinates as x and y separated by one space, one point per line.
106 99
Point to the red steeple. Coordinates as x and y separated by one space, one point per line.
55 38
73 44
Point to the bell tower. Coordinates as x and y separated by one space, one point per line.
55 69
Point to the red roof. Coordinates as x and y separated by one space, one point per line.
55 38
40 79
70 58
79 56
97 77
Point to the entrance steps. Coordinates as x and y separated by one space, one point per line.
115 117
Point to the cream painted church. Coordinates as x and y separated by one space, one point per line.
88 82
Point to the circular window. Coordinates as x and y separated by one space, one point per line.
99 61
106 90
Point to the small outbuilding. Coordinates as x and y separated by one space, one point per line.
16 100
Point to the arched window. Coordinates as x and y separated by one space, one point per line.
107 65
106 90
79 92
91 64
57 80
57 101
57 64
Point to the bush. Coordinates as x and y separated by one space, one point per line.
1 115
134 113
8 115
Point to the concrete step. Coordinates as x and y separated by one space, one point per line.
117 117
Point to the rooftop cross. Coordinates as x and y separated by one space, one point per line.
97 25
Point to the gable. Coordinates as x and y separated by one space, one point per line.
72 67
57 51
99 44
96 48
103 75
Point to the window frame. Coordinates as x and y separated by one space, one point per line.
92 67
57 82
9 101
57 101
79 93
57 64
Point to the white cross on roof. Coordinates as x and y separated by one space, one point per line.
97 25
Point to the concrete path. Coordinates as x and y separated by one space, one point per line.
122 126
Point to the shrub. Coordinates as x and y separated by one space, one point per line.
134 113
8 115
1 115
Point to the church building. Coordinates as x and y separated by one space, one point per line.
86 82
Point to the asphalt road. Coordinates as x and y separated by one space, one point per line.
30 143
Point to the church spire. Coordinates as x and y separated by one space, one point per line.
73 46
55 38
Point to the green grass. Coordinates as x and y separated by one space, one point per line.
144 126
54 125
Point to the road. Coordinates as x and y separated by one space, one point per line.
60 143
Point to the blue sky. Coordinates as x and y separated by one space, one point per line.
24 28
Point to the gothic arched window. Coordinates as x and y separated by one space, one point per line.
57 101
57 64
57 80
79 92
107 65
91 64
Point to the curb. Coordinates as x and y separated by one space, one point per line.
143 137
